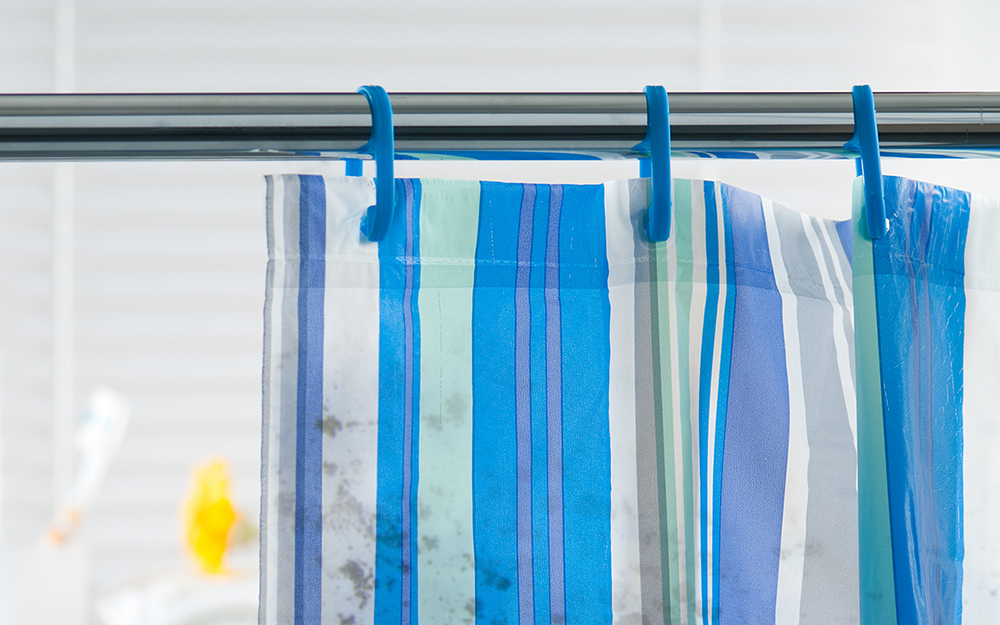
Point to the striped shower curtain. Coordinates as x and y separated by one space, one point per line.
928 303
516 409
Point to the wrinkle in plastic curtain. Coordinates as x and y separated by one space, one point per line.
516 409
928 300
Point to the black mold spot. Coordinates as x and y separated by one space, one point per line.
496 580
330 425
457 408
362 580
430 542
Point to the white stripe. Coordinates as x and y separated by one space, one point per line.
626 596
675 419
695 332
838 271
793 520
350 396
839 336
274 396
713 404
980 425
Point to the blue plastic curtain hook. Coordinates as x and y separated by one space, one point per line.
657 144
381 146
354 167
865 140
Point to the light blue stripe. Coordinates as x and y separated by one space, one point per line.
399 401
705 376
494 451
722 405
920 303
586 360
411 399
309 443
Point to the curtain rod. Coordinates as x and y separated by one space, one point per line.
273 126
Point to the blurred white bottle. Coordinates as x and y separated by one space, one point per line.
98 439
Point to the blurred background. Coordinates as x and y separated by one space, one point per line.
144 282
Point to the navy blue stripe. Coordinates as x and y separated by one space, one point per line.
586 446
539 411
705 375
395 526
756 426
920 302
309 414
494 446
846 240
722 402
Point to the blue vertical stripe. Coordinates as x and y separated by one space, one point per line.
722 403
920 301
309 417
846 239
705 377
494 439
399 401
411 398
586 359
522 394
539 422
554 407
756 426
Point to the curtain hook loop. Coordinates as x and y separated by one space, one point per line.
381 145
865 140
657 167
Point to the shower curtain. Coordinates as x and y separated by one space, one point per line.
517 409
928 299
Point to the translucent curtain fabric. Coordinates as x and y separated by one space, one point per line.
516 409
928 308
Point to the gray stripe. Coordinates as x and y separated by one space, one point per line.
830 588
288 402
845 298
650 565
842 259
832 259
265 437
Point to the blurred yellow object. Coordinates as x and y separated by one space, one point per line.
209 515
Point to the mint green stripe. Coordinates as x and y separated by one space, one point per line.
878 598
662 409
670 555
449 216
682 308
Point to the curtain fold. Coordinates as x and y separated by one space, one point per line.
517 409
927 296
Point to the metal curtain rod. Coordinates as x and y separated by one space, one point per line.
333 125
